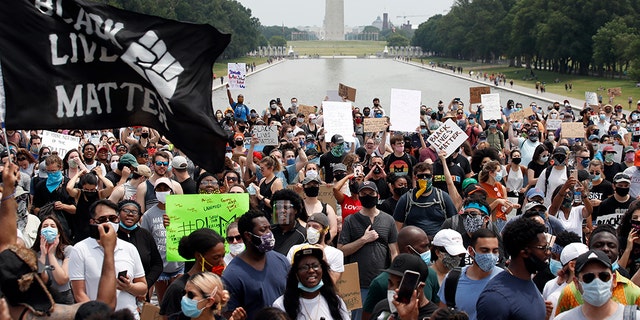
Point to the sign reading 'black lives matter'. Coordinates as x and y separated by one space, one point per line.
79 64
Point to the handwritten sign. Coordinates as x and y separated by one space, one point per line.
553 124
475 94
60 143
267 135
448 137
591 98
190 212
338 119
614 92
612 219
237 74
347 92
306 110
405 109
572 130
521 114
349 287
375 124
491 106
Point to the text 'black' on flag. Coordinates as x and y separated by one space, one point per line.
75 64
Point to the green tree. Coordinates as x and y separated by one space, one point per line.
277 41
397 40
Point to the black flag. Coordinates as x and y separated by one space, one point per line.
75 64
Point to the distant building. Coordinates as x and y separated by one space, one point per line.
377 23
385 21
334 20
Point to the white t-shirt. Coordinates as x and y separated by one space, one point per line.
557 178
574 222
335 257
527 147
576 314
315 308
634 188
85 264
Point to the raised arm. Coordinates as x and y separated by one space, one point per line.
8 206
71 189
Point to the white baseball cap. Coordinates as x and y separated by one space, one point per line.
451 240
572 251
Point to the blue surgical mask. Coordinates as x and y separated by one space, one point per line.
554 266
312 289
423 131
596 177
596 293
485 261
499 176
291 161
49 234
190 307
133 227
425 256
585 162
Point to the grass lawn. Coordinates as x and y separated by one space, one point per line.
327 48
580 84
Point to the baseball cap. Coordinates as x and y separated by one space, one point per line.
337 139
339 167
407 261
320 218
594 137
609 149
451 240
143 170
621 177
473 188
561 150
629 149
592 255
164 180
368 185
128 159
532 205
179 162
466 182
307 250
534 192
572 251
102 148
308 179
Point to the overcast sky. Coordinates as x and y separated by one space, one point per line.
293 13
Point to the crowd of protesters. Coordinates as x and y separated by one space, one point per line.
502 228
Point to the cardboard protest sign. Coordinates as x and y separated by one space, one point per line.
61 143
268 135
614 92
553 124
521 114
325 195
306 110
591 98
338 119
476 92
237 74
618 156
491 106
347 92
572 130
190 212
405 110
448 137
375 124
349 287
150 312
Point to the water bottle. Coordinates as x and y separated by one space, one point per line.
577 197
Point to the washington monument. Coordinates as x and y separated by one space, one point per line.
334 20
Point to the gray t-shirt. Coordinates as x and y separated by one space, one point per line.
576 314
59 287
152 221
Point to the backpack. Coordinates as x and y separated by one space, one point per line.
451 286
410 202
547 174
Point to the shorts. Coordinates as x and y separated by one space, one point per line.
166 276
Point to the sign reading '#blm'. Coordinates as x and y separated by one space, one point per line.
190 212
61 143
93 66
448 137
236 75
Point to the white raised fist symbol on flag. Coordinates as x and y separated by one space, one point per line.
149 57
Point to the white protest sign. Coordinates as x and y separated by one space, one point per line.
61 143
268 135
491 106
237 74
591 98
553 124
338 119
448 137
405 110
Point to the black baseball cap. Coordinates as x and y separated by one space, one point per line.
592 255
407 261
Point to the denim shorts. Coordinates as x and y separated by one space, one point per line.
168 276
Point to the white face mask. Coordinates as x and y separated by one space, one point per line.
162 196
115 226
390 294
114 166
313 235
236 248
311 173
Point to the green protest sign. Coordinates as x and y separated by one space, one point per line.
190 212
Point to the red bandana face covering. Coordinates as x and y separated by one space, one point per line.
215 269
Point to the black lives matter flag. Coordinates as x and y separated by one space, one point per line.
78 64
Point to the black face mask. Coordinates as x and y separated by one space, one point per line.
239 143
560 159
516 160
293 122
623 192
534 264
366 113
145 135
368 201
434 116
440 108
312 191
353 187
339 176
423 113
400 191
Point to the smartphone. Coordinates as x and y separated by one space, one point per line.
408 284
278 100
635 224
93 231
122 274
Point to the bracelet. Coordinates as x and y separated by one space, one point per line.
8 197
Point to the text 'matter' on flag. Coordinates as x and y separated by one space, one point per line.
82 65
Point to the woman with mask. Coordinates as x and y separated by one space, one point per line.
72 163
311 188
208 184
130 231
311 127
571 204
206 247
204 297
539 162
269 184
25 161
515 178
349 204
310 293
234 239
489 179
628 235
84 197
398 185
53 250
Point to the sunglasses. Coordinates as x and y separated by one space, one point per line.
232 238
209 183
160 163
111 218
232 179
424 176
589 277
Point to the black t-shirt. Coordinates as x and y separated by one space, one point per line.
463 163
600 192
286 240
439 181
170 304
189 186
611 211
610 171
383 189
537 168
327 161
402 165
113 177
424 312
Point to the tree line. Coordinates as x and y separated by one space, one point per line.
565 36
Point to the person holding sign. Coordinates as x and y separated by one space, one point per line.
240 110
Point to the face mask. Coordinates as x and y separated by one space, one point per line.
567 203
613 133
602 117
559 160
485 261
554 266
554 116
228 155
339 176
144 135
450 262
300 120
623 124
533 138
236 248
472 121
472 223
392 307
114 166
34 149
499 176
312 192
124 226
585 162
596 293
516 160
493 126
623 192
162 196
423 131
313 121
53 180
424 185
366 113
266 242
312 289
544 159
289 135
533 264
72 164
49 234
115 226
369 201
629 157
337 150
596 177
608 157
311 146
190 307
291 161
358 121
239 143
313 235
398 149
400 191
